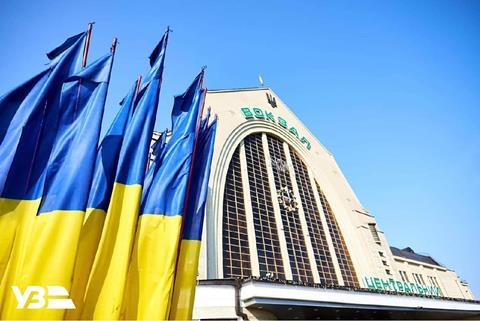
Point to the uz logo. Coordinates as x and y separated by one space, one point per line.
37 294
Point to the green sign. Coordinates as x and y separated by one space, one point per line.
251 113
400 286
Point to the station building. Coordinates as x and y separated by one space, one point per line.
285 236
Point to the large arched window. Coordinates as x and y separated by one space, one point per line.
281 194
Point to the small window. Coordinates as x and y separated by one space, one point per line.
414 277
435 281
373 230
384 262
422 281
418 278
404 276
381 254
388 272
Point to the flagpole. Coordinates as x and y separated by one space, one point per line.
137 87
195 145
37 140
87 44
149 155
189 182
113 51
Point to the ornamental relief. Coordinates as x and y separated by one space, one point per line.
287 199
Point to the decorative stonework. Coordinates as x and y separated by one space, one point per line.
287 199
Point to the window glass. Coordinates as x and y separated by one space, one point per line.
266 234
297 250
236 255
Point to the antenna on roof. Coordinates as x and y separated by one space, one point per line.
260 79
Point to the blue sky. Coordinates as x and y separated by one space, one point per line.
390 87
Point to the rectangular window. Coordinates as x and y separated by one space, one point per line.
415 279
388 272
418 278
381 254
404 276
422 281
384 262
373 230
435 281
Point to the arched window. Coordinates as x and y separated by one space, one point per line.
272 167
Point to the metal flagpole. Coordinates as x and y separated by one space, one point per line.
113 50
87 43
197 134
37 139
137 87
187 194
84 62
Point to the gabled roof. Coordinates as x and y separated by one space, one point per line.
410 254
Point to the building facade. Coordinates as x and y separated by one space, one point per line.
286 237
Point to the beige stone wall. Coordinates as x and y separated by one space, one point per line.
448 281
370 258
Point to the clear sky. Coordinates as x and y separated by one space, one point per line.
391 88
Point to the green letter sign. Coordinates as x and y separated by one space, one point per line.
268 116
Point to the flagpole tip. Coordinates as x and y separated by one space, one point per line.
115 42
87 44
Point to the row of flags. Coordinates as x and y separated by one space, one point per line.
120 235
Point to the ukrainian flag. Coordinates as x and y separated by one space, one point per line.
97 205
151 272
105 287
52 243
187 266
28 125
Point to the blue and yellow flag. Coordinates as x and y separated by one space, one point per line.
52 243
25 114
105 288
97 205
152 267
187 266
28 125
